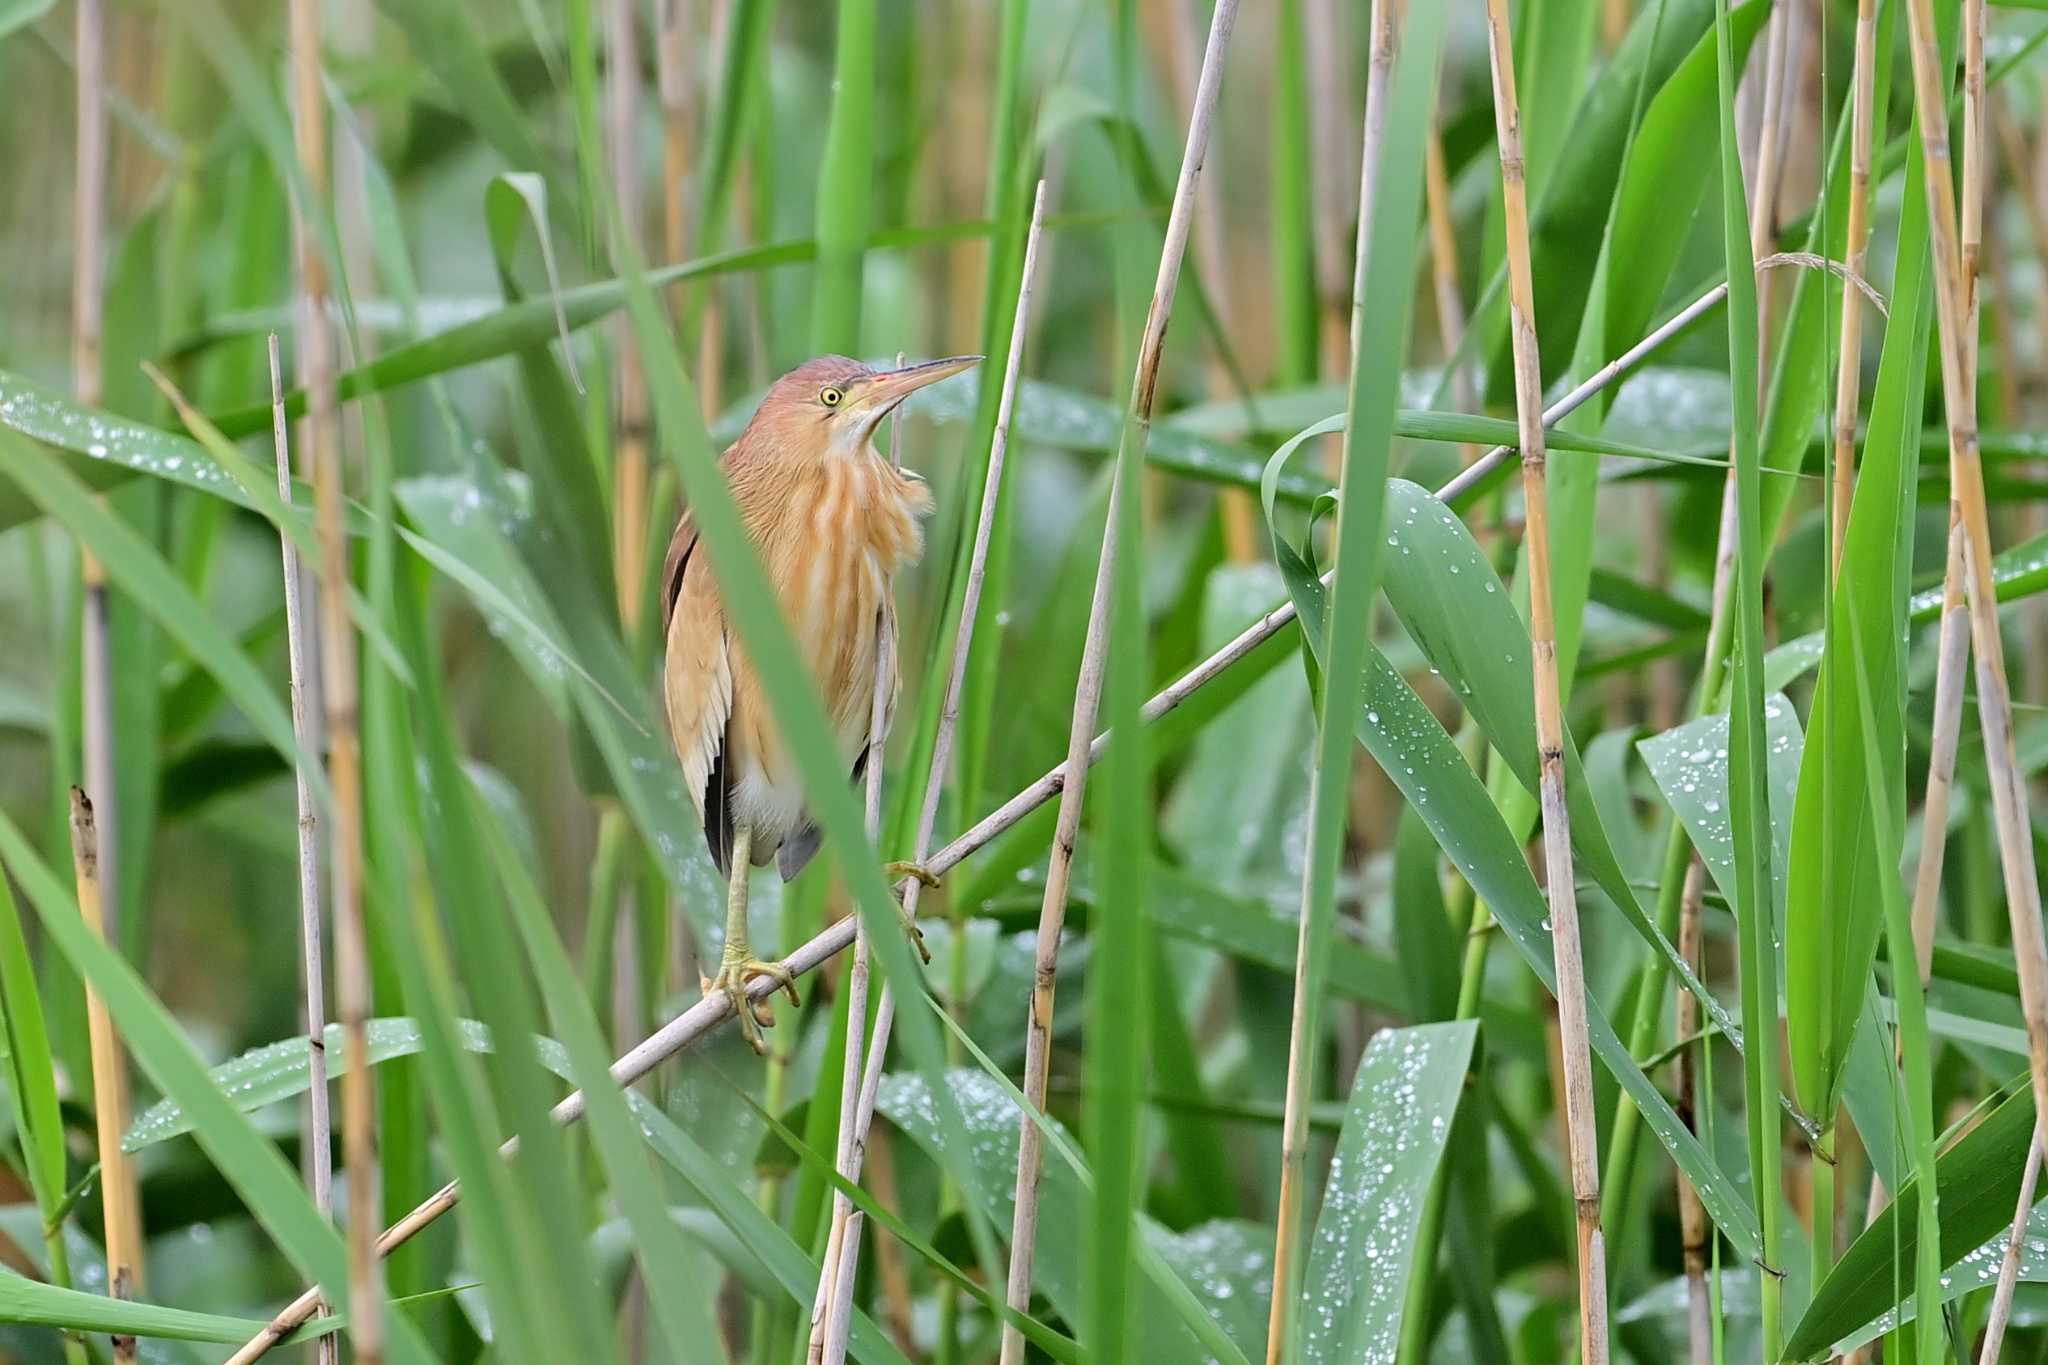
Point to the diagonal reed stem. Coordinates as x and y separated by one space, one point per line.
1580 1116
336 650
709 1013
2000 1313
1088 687
319 1159
857 1112
119 1197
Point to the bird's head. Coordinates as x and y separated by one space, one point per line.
832 405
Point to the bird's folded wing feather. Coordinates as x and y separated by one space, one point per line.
697 675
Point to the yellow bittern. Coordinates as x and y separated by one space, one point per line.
832 522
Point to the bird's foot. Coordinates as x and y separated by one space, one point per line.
917 872
735 974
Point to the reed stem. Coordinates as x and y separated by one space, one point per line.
319 1157
88 305
320 437
1088 687
119 1198
1580 1116
1849 358
630 472
2000 1315
1955 313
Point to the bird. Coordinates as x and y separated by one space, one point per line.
833 522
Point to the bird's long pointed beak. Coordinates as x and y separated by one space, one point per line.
887 389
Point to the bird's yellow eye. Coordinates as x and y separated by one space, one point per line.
830 396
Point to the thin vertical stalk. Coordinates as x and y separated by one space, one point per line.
1329 96
1088 687
1966 481
857 1113
1303 1038
119 1197
1443 273
629 473
1679 900
88 304
2009 1264
1848 361
674 23
1339 637
1741 602
319 1158
1952 653
336 649
1580 1116
1694 1231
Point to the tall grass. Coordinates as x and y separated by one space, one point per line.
1287 1101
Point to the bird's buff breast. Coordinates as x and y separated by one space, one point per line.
833 544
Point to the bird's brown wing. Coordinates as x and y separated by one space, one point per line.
697 684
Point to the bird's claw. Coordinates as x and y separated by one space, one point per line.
916 871
734 976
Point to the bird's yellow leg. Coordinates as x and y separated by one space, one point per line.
737 965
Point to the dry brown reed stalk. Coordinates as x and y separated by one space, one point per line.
319 1157
1240 511
1088 687
1966 481
1614 17
1580 1116
1335 333
862 1085
1849 358
1443 272
674 23
1332 202
320 438
629 469
890 1269
120 1200
1694 1233
711 1012
2000 1313
1977 181
88 304
1952 654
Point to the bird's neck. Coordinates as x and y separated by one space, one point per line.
856 503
